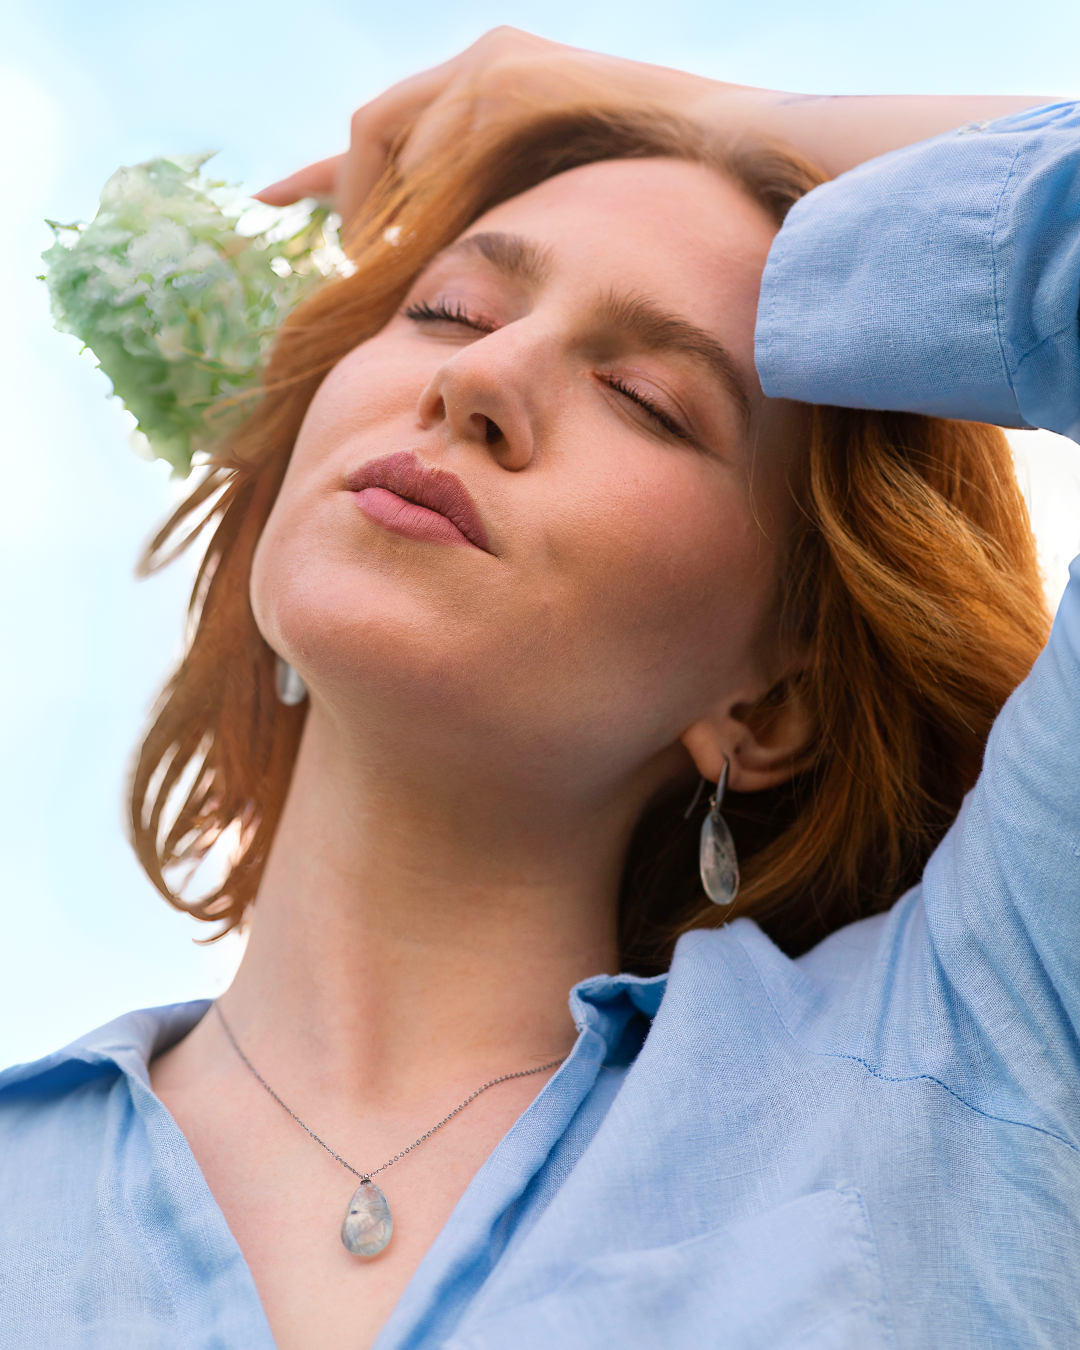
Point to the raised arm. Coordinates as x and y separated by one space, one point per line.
943 278
507 68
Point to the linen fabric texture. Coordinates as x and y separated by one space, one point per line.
943 278
873 1147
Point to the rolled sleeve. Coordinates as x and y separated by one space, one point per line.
943 278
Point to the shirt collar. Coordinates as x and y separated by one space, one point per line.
619 1009
127 1043
613 1006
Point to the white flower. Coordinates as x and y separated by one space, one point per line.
179 306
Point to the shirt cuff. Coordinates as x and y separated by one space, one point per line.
942 278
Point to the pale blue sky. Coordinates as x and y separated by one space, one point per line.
85 88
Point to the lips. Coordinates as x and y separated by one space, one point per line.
414 499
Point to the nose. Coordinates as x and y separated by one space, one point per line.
484 395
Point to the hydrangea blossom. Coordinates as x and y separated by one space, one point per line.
178 303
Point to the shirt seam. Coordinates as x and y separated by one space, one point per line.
994 276
899 1078
882 1305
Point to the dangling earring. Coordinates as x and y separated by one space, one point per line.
291 689
716 855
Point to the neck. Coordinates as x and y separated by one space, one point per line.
402 935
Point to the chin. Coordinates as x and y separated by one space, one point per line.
362 638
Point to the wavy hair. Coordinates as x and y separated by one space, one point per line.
911 579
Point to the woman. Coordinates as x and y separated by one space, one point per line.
544 555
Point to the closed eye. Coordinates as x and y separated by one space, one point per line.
440 312
643 401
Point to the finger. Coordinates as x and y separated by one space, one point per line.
377 125
315 180
424 99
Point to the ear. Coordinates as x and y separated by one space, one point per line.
762 741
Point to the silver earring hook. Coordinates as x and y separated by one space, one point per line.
721 785
718 795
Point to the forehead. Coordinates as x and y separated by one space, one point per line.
683 199
675 231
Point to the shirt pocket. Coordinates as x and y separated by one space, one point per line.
804 1276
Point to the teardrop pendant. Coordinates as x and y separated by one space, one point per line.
718 861
368 1224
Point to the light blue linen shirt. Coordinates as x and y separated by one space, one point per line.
876 1145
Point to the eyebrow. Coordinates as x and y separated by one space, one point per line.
516 257
643 319
660 331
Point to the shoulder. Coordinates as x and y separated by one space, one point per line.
72 1149
108 1234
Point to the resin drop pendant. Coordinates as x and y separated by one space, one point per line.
368 1225
719 864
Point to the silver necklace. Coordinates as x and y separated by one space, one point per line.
368 1224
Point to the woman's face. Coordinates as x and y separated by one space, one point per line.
536 521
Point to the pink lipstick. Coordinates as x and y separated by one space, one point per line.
414 499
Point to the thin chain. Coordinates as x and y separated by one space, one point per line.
366 1176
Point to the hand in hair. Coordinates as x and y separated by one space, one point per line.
508 69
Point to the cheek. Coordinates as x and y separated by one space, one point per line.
376 386
667 581
377 382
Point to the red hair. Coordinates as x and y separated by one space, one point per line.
911 580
